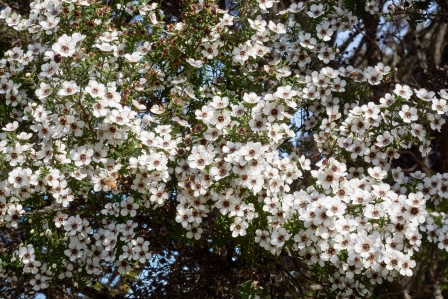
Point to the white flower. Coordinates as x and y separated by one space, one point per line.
13 19
274 111
238 227
19 177
194 231
129 207
241 53
141 253
206 114
43 91
375 211
99 109
68 88
306 40
195 63
388 100
405 265
73 225
256 183
365 245
49 69
373 76
119 51
443 94
219 103
32 267
210 50
326 179
436 121
251 98
278 28
74 250
157 109
418 131
184 216
221 119
26 254
81 156
95 89
439 105
5 12
385 139
403 91
6 85
324 31
15 155
265 4
326 54
279 237
408 114
315 10
296 7
200 157
424 94
65 46
106 47
78 37
285 92
134 57
443 241
39 282
258 123
60 219
251 151
14 214
382 69
259 50
111 97
372 7
50 23
11 126
304 163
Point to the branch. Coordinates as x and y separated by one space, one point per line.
424 167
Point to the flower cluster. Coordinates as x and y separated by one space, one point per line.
105 126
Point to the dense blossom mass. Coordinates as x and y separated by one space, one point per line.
103 123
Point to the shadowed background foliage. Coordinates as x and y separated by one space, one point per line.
420 59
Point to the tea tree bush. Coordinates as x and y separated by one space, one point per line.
228 127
